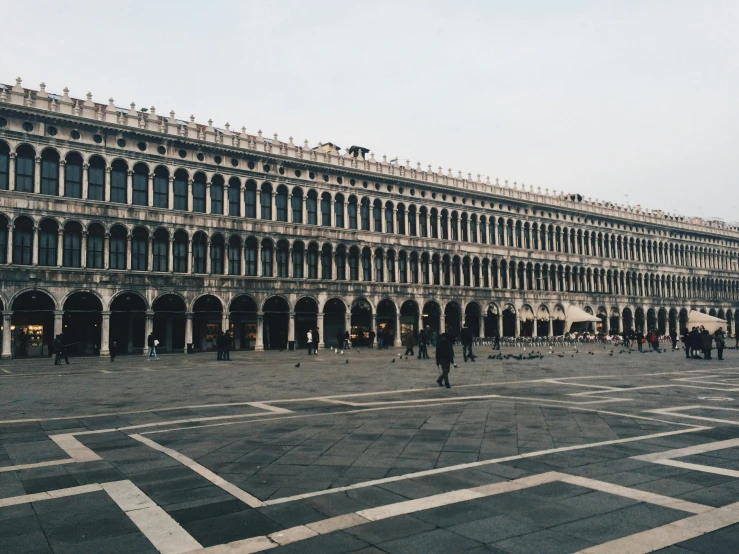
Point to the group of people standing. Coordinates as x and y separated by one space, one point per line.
699 340
313 338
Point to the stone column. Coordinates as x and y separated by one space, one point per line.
259 259
259 347
128 252
242 207
106 250
304 209
242 260
189 195
398 339
549 327
149 328
291 331
348 322
207 198
207 257
5 353
273 206
319 325
106 185
34 253
11 171
129 346
9 252
517 327
170 255
129 186
37 176
104 334
226 322
170 194
60 178
188 329
189 255
333 265
150 190
83 249
535 331
60 247
481 332
58 319
150 254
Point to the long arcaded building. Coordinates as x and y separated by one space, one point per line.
118 222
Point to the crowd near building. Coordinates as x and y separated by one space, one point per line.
119 222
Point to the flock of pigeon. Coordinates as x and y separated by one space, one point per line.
519 357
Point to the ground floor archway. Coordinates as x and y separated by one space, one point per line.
386 321
472 319
32 325
243 322
128 323
453 319
169 323
432 320
361 322
207 322
82 324
276 319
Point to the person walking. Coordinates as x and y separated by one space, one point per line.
496 340
718 337
371 339
347 340
706 344
152 343
309 340
422 342
685 337
219 345
673 338
410 342
316 340
60 350
226 346
466 339
653 340
113 351
640 340
444 357
695 343
380 338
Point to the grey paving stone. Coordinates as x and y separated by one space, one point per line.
495 528
230 527
24 544
543 541
332 543
438 541
390 529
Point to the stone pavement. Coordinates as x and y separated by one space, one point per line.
595 451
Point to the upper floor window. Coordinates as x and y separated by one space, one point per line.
95 242
179 254
117 254
4 166
161 188
281 203
71 255
24 168
119 182
265 202
139 250
216 195
351 212
50 172
198 194
311 206
47 243
250 200
296 203
23 241
73 176
140 187
96 179
180 190
234 202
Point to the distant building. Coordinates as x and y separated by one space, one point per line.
115 223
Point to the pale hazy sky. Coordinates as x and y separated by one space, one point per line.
602 98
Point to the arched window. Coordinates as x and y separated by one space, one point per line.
446 270
95 243
72 247
117 254
339 211
364 212
296 203
379 270
377 216
180 190
414 268
313 261
161 187
139 249
234 198
297 259
217 247
283 251
50 172
160 251
311 206
366 267
351 212
140 185
425 279
435 269
423 222
250 199
455 226
326 262
179 255
444 225
234 255
250 257
265 202
73 176
47 242
390 263
401 219
281 203
216 195
354 263
119 182
412 220
389 218
434 223
23 241
4 166
198 194
326 209
402 267
25 164
267 258
341 263
199 248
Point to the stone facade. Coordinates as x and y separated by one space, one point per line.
118 222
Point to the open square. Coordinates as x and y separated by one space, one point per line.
584 452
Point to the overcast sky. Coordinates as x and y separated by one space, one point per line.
607 99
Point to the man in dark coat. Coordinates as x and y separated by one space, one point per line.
706 344
718 336
410 342
113 350
219 345
673 338
60 350
496 338
316 341
444 358
339 339
422 342
466 339
685 337
695 342
226 347
371 339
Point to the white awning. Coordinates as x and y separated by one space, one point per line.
578 315
709 322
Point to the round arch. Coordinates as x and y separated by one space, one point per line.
306 319
386 315
32 323
243 313
207 322
509 320
526 317
169 322
409 313
82 323
543 317
275 323
361 322
431 320
473 318
335 321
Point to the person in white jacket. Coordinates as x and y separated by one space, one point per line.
309 338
